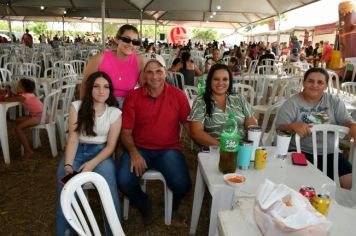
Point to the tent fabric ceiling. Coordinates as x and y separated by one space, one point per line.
233 13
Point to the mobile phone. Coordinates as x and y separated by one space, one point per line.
299 159
68 177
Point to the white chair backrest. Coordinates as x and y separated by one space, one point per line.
191 92
349 88
14 67
59 64
278 91
3 60
338 132
78 66
69 79
246 91
292 70
295 85
176 79
226 59
31 69
66 98
333 83
50 107
353 75
73 210
267 70
5 77
267 62
268 138
252 67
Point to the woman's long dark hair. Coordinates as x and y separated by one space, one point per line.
86 113
208 91
185 58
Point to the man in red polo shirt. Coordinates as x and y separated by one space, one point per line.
152 117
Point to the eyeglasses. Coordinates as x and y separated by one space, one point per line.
135 42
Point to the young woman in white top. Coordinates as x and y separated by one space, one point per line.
94 127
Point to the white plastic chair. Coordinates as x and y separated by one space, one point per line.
277 94
267 69
349 88
31 69
226 59
78 67
339 132
168 195
353 72
268 62
245 90
48 121
292 70
267 138
66 98
333 83
191 92
3 60
5 77
80 220
252 67
14 67
176 79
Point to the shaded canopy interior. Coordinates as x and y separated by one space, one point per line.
232 13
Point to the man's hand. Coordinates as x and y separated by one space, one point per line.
138 163
301 128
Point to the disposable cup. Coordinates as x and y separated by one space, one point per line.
283 140
214 151
254 134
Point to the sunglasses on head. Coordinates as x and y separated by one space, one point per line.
135 42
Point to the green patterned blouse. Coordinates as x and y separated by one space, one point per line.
213 125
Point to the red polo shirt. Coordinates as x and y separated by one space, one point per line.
155 122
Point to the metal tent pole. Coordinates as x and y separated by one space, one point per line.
103 23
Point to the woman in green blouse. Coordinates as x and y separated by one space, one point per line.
210 111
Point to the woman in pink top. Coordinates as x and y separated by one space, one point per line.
33 105
123 65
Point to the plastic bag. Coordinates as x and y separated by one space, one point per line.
281 210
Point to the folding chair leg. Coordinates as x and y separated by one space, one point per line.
51 131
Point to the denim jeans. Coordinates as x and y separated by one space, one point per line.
106 168
170 162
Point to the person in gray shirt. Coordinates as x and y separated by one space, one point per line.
313 106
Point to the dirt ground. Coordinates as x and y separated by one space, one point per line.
28 196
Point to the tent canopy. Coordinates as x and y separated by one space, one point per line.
219 13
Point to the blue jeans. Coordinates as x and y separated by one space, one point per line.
170 162
106 168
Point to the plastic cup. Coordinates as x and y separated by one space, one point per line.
283 140
254 134
214 151
244 155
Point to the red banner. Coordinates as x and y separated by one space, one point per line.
325 29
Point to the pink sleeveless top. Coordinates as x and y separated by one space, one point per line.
124 74
32 104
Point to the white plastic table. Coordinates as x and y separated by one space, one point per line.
241 221
223 195
4 106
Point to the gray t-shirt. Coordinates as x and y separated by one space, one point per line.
330 110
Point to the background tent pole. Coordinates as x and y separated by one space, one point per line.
278 33
155 32
141 11
63 29
103 23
